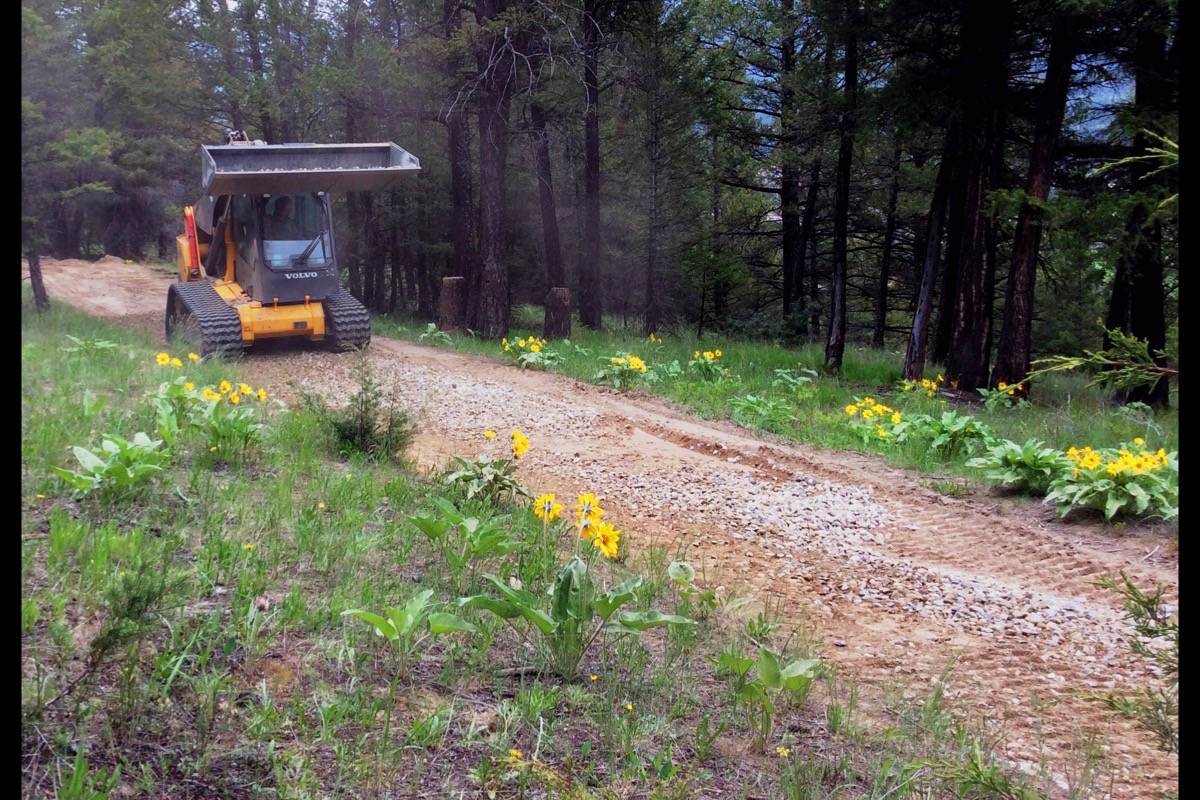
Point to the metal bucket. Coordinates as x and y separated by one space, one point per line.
295 168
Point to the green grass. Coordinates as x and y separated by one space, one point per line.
193 637
1065 411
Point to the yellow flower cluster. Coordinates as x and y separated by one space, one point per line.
1004 387
870 409
629 362
520 443
930 387
531 343
1127 462
224 391
654 339
546 509
604 536
707 355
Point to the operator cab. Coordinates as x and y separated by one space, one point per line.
284 246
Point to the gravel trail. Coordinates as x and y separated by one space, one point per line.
899 581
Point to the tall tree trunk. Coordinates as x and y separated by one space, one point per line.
249 15
229 59
807 236
986 31
885 259
41 300
462 213
555 275
396 255
1137 299
835 345
789 186
1016 333
914 357
590 300
495 59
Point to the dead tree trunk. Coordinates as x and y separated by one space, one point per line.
914 357
885 259
452 304
1012 359
41 301
590 300
557 322
555 275
835 345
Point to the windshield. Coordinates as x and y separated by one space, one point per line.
294 225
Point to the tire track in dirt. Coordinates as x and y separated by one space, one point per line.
899 580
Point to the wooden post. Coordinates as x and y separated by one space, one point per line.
558 314
452 308
40 299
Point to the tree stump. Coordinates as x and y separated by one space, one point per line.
452 304
558 314
41 300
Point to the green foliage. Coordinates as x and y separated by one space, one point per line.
464 542
410 626
707 365
571 615
769 413
1119 481
1002 397
1028 468
771 684
487 478
950 433
82 784
229 431
1126 364
433 335
1157 628
365 425
793 380
88 347
621 371
119 469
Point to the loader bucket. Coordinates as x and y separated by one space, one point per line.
296 168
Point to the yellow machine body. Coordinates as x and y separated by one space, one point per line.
259 320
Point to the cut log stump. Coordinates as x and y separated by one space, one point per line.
452 304
558 314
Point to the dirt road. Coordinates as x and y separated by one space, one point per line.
899 581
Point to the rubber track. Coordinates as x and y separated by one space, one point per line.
220 325
347 324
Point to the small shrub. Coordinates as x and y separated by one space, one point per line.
875 422
768 413
621 371
1114 480
771 685
432 334
365 425
707 365
530 352
1003 396
1029 468
949 434
486 477
792 379
119 469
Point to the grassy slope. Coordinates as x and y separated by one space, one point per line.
243 679
1065 412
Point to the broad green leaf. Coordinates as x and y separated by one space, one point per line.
1113 505
88 460
798 675
737 665
441 622
768 669
644 620
616 597
498 607
382 626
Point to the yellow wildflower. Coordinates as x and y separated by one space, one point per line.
234 398
594 678
320 506
210 395
193 357
43 497
587 527
516 754
262 395
176 363
1002 386
212 449
489 434
1139 441
783 752
896 418
629 707
637 364
708 355
717 353
521 343
225 388
249 547
546 509
868 414
163 359
245 389
852 409
587 506
606 539
696 355
189 387
520 443
535 348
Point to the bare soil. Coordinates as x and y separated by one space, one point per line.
899 581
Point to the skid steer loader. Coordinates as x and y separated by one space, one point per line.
257 258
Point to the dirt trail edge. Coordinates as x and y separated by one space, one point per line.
899 581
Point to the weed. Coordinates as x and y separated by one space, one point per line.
365 425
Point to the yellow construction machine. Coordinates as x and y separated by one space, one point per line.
257 257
